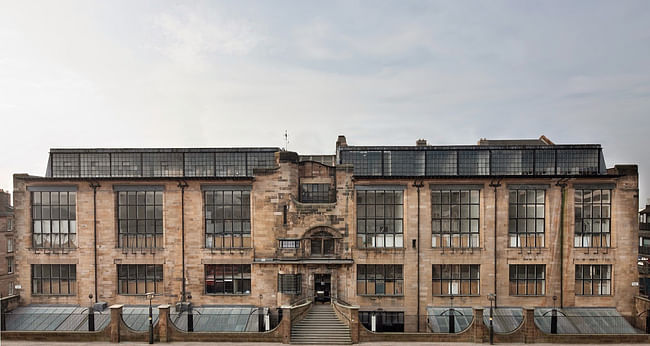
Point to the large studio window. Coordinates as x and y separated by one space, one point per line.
380 219
140 217
455 218
227 218
526 218
54 219
592 218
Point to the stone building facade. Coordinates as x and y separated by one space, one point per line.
390 229
7 246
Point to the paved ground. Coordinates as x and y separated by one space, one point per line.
30 343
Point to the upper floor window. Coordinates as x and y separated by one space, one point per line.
322 244
526 217
380 218
139 278
456 279
10 245
140 219
10 224
380 279
227 278
593 279
592 218
316 193
54 219
54 279
527 279
227 219
455 218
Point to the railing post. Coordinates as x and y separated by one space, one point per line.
479 327
163 320
452 322
116 319
286 324
647 321
354 324
554 321
91 319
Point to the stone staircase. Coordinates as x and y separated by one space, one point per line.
321 326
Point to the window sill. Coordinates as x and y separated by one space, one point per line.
52 295
229 248
53 250
594 295
227 294
527 295
138 294
381 295
455 295
401 249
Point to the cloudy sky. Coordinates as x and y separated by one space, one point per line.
240 73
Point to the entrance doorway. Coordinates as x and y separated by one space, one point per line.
322 287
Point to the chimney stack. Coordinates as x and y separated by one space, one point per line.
421 143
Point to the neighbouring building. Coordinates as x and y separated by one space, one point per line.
396 230
7 246
644 251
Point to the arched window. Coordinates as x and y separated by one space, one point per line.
322 244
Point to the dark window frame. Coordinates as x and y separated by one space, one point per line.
139 217
527 275
63 279
43 216
227 223
593 276
526 216
455 218
378 221
290 284
386 321
142 275
316 193
591 215
239 285
449 274
378 276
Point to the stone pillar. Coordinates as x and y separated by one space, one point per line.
354 324
163 320
116 320
286 324
479 328
529 325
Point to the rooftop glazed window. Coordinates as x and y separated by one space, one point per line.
500 160
88 163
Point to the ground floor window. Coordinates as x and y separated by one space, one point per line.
593 279
455 279
54 279
527 279
289 283
380 279
140 278
227 278
385 321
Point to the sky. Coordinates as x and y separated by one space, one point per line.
89 74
